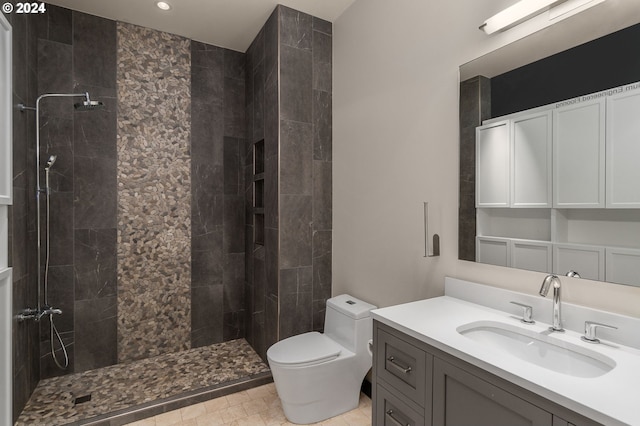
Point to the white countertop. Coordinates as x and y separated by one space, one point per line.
611 398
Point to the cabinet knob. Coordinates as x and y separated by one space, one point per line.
590 328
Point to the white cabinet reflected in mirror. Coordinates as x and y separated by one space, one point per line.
550 152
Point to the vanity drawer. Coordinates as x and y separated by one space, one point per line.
403 366
391 411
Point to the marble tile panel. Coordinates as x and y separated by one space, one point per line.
56 138
296 314
95 131
271 46
55 70
206 55
296 154
321 265
207 312
322 126
258 101
296 280
208 83
61 234
207 131
93 34
234 93
322 195
234 325
95 192
295 28
19 56
234 64
95 333
95 269
322 61
234 224
207 211
296 78
207 259
295 231
234 283
233 181
322 25
272 271
56 25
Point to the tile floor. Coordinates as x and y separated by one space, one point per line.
254 407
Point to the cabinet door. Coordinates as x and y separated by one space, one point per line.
579 155
391 410
531 255
493 250
623 150
462 399
492 165
623 266
531 161
588 261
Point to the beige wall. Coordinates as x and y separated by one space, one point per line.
395 145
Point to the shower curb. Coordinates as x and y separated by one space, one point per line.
161 406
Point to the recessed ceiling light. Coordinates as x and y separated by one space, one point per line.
163 5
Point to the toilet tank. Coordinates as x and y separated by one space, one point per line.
348 322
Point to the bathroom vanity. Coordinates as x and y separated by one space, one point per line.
449 361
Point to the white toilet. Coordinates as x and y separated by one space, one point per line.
318 376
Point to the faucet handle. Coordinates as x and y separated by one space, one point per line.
590 328
527 313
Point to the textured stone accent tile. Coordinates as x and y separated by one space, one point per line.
154 198
125 386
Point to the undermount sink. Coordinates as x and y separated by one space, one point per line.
538 348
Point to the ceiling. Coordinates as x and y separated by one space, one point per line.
226 23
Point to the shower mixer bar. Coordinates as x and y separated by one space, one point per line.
36 314
43 308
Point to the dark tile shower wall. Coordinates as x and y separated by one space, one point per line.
305 171
77 53
261 265
217 194
288 278
25 337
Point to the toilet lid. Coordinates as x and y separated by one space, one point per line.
304 348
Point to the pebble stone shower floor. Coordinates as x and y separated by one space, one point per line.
122 387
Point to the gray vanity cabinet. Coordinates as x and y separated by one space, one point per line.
416 384
460 398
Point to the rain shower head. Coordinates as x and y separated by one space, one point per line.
88 104
50 162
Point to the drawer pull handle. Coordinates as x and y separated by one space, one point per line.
394 420
402 368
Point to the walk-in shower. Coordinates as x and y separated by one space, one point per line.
44 308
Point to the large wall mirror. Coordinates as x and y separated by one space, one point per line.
550 147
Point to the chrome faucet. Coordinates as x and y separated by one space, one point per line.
557 317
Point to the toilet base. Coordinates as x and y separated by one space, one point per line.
318 411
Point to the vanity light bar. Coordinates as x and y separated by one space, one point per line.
516 14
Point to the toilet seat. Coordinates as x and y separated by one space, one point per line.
304 350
